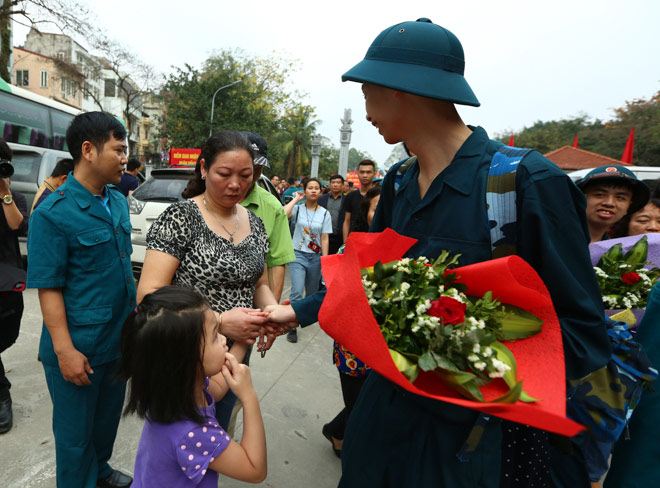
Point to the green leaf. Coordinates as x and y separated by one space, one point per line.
379 272
505 355
405 365
427 361
444 363
638 253
518 323
512 396
462 382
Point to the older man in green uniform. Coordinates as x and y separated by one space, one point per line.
80 260
412 75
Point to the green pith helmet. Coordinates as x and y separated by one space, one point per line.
418 57
622 176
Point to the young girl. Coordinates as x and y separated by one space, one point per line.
178 364
311 240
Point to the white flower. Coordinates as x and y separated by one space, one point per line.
487 352
481 324
405 286
476 348
422 307
473 358
415 328
373 301
600 272
480 365
410 315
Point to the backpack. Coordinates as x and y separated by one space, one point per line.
604 400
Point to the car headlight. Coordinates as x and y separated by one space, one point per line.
135 206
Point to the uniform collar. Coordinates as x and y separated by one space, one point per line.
460 174
85 199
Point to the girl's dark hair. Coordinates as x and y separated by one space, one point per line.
620 229
161 348
363 223
221 141
309 180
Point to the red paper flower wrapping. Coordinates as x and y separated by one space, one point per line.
346 316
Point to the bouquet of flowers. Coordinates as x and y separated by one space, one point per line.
624 279
429 323
347 316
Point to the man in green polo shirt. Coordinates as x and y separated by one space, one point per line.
270 211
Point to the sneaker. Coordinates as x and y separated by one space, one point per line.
292 336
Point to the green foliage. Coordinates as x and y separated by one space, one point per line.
607 138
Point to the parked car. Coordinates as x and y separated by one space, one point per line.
31 165
648 174
161 188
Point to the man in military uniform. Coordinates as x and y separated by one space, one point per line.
80 260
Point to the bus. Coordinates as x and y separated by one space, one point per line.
32 120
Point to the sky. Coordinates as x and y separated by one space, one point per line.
525 60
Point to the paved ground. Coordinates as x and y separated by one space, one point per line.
297 385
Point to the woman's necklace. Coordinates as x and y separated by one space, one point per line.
231 234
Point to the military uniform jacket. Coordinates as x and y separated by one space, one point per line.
74 244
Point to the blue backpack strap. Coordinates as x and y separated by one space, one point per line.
401 171
501 199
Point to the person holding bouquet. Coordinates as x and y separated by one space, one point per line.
412 77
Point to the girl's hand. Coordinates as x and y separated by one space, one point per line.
238 378
299 195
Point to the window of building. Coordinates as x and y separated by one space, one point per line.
22 77
44 78
109 88
60 55
69 88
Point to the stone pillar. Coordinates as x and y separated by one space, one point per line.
344 141
316 154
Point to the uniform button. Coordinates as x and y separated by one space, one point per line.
132 303
96 239
117 230
61 192
123 255
128 280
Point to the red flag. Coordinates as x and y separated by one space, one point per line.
511 140
628 151
575 142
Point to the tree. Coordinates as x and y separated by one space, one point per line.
66 15
354 158
607 138
295 136
255 104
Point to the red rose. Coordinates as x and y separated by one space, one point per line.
630 277
450 310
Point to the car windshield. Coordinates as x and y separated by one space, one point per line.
162 188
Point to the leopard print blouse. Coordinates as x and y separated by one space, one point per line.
224 273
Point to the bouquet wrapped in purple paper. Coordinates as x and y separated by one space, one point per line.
626 270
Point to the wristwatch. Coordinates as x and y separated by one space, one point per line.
7 199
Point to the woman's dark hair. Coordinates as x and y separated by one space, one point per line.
620 229
161 348
309 180
363 223
95 127
220 142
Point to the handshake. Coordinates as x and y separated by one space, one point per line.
254 325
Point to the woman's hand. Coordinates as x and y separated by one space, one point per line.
243 324
281 318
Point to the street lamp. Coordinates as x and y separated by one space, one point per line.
213 102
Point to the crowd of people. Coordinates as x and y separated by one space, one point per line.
211 288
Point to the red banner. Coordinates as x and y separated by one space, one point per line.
184 157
